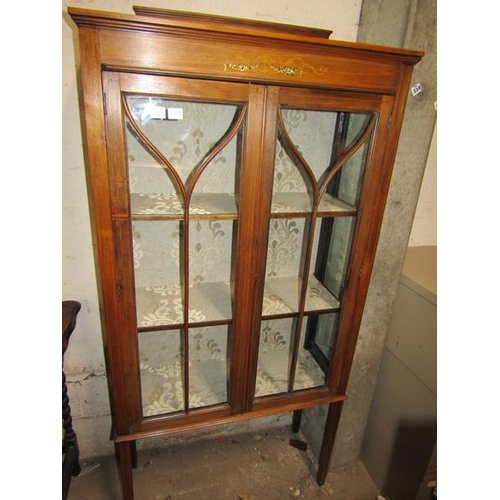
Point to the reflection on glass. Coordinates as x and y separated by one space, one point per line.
183 132
338 254
320 339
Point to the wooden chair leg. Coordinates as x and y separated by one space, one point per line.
125 459
332 423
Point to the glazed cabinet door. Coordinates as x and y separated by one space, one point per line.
178 154
237 221
323 153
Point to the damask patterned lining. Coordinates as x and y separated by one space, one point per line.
162 386
162 305
171 205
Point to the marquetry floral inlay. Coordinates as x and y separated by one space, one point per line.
292 67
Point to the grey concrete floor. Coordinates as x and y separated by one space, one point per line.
260 465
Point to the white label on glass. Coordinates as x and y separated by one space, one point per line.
157 112
175 113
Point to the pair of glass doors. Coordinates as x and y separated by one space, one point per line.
199 165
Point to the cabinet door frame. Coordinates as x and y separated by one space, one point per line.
124 364
257 166
374 192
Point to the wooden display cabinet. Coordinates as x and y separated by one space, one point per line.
237 173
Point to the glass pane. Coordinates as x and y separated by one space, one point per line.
183 159
210 258
318 336
161 363
284 249
312 132
319 167
330 263
308 372
153 189
325 336
338 250
291 183
221 176
275 356
323 139
183 132
157 275
350 176
208 366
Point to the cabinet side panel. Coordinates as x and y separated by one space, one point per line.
93 132
372 202
371 213
99 188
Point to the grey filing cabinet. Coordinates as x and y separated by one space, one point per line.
399 447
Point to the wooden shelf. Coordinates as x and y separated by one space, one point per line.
210 206
152 206
281 298
299 205
211 303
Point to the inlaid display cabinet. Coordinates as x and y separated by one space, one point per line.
237 173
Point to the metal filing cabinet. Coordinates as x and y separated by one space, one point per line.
400 437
